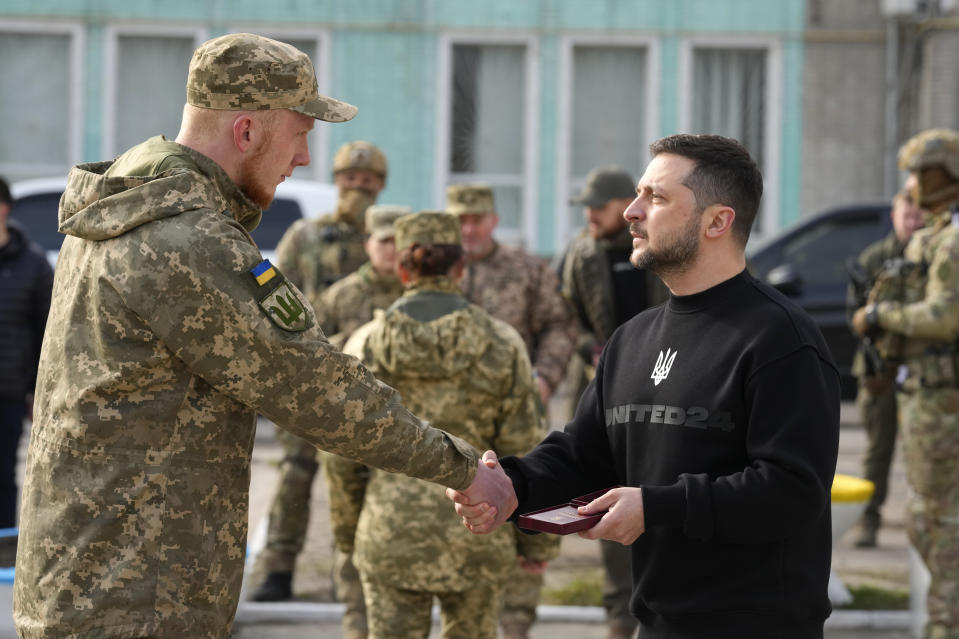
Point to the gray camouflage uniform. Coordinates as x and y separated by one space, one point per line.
161 347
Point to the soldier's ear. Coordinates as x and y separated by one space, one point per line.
243 132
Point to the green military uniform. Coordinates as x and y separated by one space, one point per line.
587 285
342 309
523 291
167 335
470 372
876 396
928 319
314 254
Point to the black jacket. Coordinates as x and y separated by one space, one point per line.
724 407
26 280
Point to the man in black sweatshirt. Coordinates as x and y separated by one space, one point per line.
718 414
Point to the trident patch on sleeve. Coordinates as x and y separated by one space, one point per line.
279 301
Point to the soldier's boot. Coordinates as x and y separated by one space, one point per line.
515 630
868 530
278 586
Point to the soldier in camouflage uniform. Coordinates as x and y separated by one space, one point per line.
469 372
341 309
605 290
876 397
523 291
926 320
168 333
313 254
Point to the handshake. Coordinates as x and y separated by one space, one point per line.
490 500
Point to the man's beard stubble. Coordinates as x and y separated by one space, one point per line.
677 253
250 181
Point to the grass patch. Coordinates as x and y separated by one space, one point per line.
586 590
866 597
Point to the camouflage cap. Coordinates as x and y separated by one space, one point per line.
604 184
932 147
427 227
360 154
380 219
469 198
247 72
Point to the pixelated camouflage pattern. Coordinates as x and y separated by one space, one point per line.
930 148
156 361
469 199
404 614
315 253
427 228
247 72
469 372
381 217
360 154
349 303
872 260
523 291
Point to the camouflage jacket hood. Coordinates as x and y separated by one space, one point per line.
107 199
448 344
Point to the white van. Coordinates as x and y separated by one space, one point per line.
35 204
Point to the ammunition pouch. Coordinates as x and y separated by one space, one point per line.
938 367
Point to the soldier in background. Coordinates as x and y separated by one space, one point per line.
523 291
342 309
918 308
605 290
313 254
168 332
876 397
467 371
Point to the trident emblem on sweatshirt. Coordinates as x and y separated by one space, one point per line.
663 364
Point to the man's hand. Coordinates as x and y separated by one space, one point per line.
489 500
542 386
859 324
624 522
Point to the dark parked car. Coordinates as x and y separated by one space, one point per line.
807 262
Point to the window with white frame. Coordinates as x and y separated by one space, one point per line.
487 126
609 107
729 98
37 105
151 72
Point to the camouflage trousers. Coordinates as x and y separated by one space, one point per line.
930 446
349 592
877 410
395 613
520 597
290 510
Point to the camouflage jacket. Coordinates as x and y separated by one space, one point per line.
523 291
349 303
587 284
470 373
872 259
930 322
313 254
161 348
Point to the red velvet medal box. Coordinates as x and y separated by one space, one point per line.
564 519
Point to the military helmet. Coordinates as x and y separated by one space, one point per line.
932 147
360 154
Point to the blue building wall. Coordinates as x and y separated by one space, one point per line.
384 58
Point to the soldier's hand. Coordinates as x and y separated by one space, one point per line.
859 324
489 500
625 521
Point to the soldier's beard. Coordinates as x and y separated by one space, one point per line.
676 253
352 205
250 179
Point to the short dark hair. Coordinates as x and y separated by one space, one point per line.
5 197
425 260
724 174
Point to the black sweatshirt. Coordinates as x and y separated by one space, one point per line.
724 407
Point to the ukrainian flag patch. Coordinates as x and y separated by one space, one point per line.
263 272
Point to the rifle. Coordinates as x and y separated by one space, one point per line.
861 286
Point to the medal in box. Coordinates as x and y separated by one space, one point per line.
563 519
